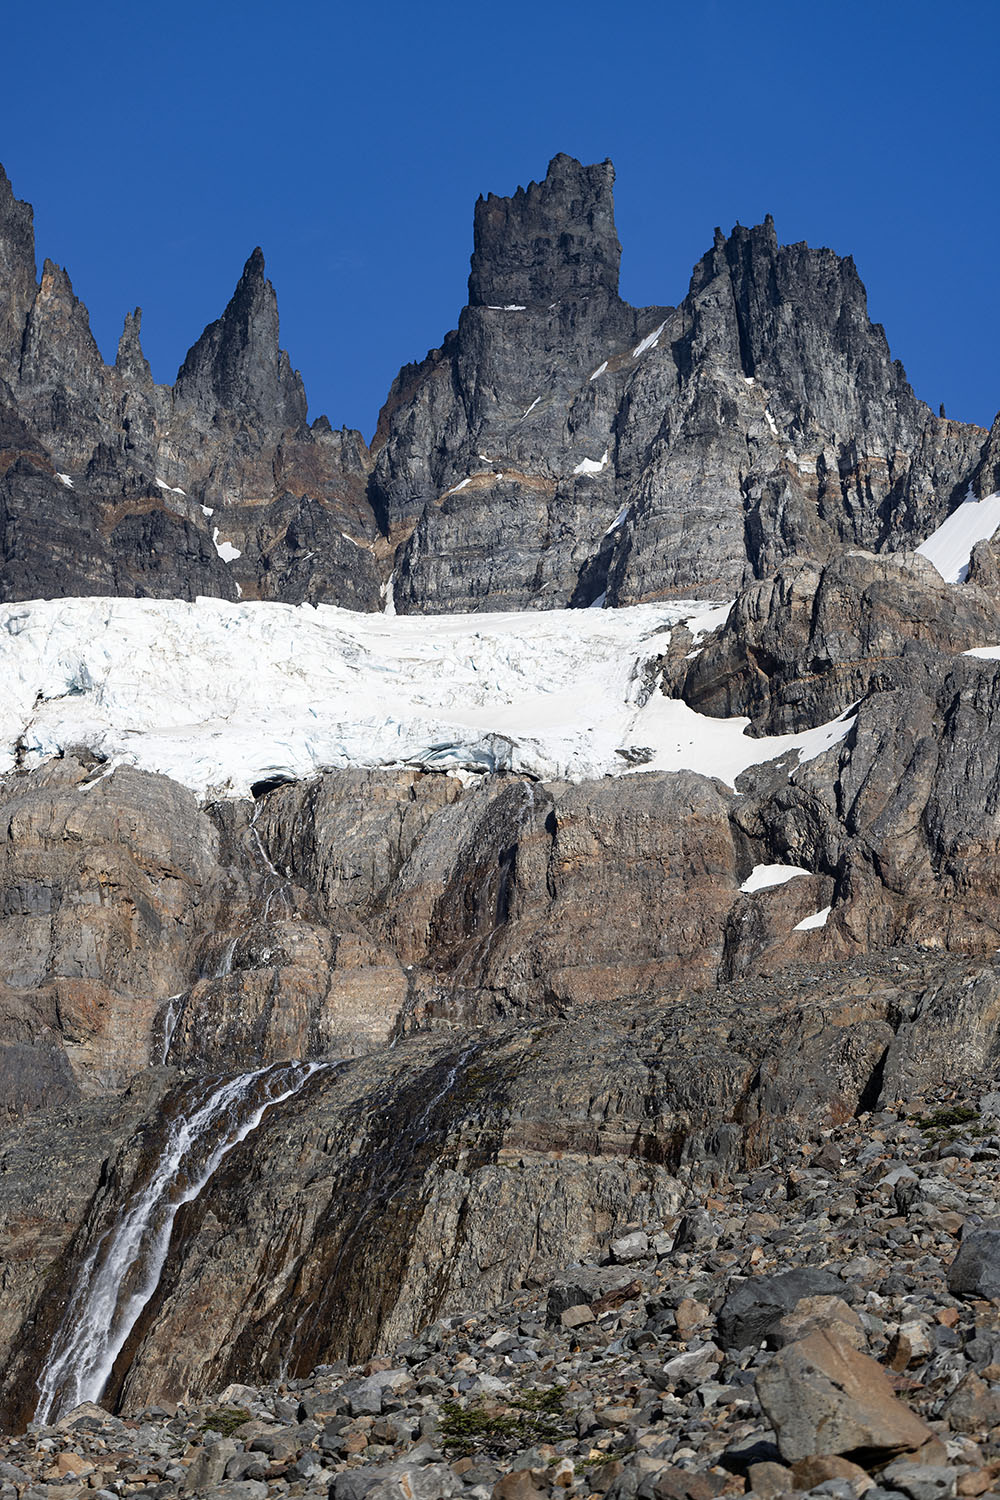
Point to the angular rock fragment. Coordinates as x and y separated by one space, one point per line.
823 1396
749 1313
975 1271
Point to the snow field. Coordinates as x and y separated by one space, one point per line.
220 695
763 877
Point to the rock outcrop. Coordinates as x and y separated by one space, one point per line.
452 1171
596 1380
559 448
801 647
684 451
112 484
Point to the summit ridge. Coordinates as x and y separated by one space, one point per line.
559 448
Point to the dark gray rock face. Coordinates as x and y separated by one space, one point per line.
557 240
559 448
986 480
112 484
791 429
477 448
17 276
900 815
236 368
801 646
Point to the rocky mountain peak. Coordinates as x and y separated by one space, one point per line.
237 364
17 275
556 239
986 480
796 319
60 360
130 362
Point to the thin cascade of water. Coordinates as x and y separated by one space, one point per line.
171 1016
225 964
275 883
122 1270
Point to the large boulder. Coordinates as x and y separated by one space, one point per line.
822 1396
749 1313
975 1271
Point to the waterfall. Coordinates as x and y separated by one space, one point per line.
275 884
225 964
122 1270
171 1015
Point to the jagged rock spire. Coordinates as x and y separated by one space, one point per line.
17 275
797 319
986 480
553 240
237 363
130 362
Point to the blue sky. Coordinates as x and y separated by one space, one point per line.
160 144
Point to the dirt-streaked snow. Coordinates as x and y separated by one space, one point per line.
950 547
219 695
649 342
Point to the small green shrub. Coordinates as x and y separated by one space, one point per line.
548 1401
530 1417
958 1114
225 1420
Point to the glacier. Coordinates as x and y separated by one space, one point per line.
220 696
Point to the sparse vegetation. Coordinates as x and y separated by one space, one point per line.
225 1420
941 1119
531 1416
598 1457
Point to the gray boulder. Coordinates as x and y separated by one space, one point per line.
975 1271
749 1313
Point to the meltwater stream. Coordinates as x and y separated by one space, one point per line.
122 1270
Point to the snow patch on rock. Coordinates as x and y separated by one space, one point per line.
763 877
949 548
818 919
226 550
592 465
649 342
